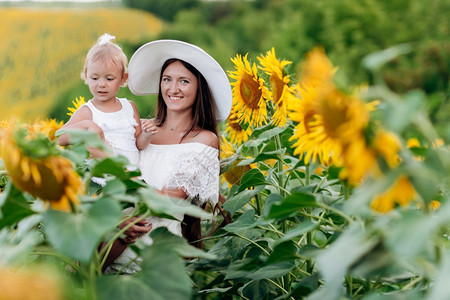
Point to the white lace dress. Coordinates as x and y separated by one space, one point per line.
193 167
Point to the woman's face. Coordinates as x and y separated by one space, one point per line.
178 87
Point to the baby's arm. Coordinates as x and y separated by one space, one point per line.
144 131
81 119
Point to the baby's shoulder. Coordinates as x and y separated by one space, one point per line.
206 137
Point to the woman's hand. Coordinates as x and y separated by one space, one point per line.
135 231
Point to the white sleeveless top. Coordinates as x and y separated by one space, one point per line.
119 128
193 167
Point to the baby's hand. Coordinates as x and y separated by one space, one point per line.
149 127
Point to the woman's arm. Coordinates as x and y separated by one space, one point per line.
131 235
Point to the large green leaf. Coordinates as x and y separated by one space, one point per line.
124 287
164 272
412 234
440 289
243 223
237 201
301 229
178 244
114 165
77 235
13 206
252 178
291 205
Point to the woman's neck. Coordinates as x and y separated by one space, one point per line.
180 122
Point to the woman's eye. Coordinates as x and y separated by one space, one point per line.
166 79
184 81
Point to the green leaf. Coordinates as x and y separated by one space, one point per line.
439 289
375 61
303 228
305 287
262 157
114 187
13 206
77 235
243 223
334 261
178 244
272 270
256 289
412 234
286 251
114 165
400 113
237 201
16 250
291 206
85 137
164 272
164 206
252 178
124 287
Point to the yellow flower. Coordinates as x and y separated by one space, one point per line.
412 143
29 284
401 193
388 145
76 105
46 127
279 85
317 68
40 171
236 133
359 161
234 174
434 204
249 92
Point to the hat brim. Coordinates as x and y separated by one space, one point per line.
145 66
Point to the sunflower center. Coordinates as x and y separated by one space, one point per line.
277 86
251 94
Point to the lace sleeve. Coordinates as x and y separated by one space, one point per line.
197 173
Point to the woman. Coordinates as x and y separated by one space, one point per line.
182 159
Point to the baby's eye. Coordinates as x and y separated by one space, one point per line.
94 78
110 78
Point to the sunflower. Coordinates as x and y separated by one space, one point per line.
401 193
76 105
236 132
317 68
35 166
234 174
30 283
279 85
47 127
249 92
388 146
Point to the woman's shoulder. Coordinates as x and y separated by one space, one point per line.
207 138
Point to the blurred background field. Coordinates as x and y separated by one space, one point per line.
44 44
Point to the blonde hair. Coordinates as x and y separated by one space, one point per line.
106 51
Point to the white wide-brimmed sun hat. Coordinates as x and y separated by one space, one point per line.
145 66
